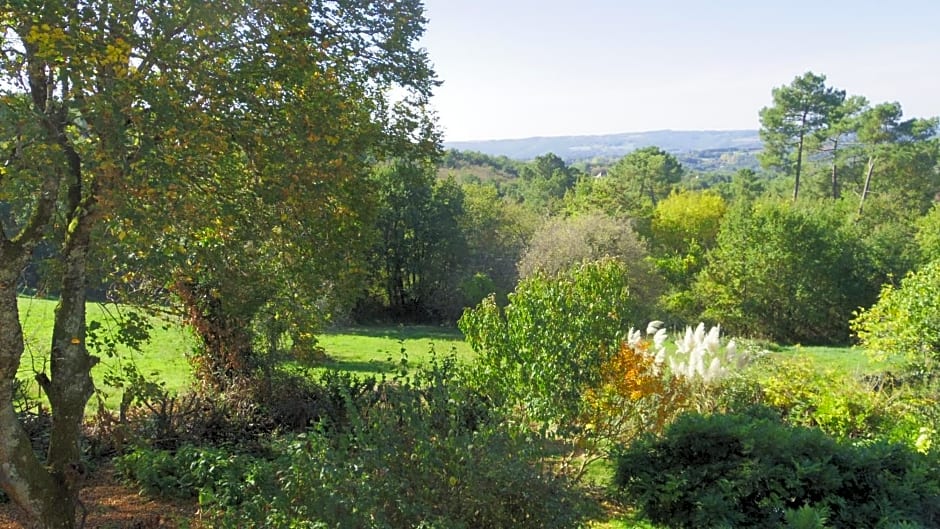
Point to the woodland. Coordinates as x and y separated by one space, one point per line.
261 174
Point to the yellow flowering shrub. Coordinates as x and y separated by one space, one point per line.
634 395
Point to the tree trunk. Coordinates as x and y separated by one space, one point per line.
799 166
48 492
227 349
22 476
867 187
71 385
835 182
835 172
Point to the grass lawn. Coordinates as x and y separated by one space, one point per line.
365 350
163 358
851 360
371 350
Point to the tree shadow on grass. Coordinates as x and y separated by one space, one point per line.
367 367
401 332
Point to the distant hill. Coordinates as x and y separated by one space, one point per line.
575 148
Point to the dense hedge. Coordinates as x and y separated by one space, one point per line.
750 470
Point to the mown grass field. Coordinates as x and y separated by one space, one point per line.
377 349
162 358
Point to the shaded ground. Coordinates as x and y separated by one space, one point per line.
113 505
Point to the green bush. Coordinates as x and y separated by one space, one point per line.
549 343
905 322
195 472
836 403
753 471
928 234
421 451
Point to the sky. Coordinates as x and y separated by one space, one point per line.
525 68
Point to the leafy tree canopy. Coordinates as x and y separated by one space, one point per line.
221 143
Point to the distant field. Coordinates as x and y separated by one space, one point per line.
376 349
851 360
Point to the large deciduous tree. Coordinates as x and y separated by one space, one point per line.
544 181
784 271
497 230
800 110
418 260
224 138
563 243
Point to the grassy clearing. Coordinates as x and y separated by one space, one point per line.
373 350
849 360
363 350
163 358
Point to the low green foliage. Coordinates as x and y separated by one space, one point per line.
421 451
194 472
905 322
750 470
839 404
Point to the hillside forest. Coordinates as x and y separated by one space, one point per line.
242 169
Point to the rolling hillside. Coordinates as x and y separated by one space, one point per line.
574 148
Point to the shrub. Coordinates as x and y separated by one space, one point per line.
700 355
709 372
928 234
836 403
905 322
215 475
423 451
549 343
634 396
753 471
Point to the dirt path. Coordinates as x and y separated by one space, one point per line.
113 505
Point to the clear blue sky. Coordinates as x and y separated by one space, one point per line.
521 68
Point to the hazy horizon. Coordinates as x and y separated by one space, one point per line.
529 69
598 134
